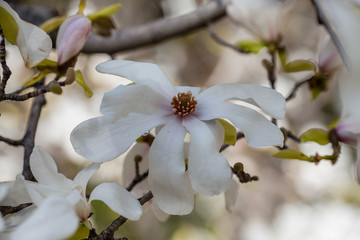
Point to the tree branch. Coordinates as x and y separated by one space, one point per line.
156 31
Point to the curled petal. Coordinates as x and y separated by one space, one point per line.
100 140
270 101
34 44
148 74
45 171
16 192
208 170
118 199
72 36
258 131
82 178
53 219
137 98
231 196
167 178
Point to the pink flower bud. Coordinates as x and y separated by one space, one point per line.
72 37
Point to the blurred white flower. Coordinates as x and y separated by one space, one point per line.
130 111
51 183
34 44
52 219
72 36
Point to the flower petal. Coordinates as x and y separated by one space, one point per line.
82 178
167 177
270 101
208 170
231 196
72 36
45 171
159 214
122 100
54 219
34 44
148 74
16 192
357 164
118 199
258 131
100 140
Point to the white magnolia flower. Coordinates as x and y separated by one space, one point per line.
51 220
51 183
130 111
34 44
291 23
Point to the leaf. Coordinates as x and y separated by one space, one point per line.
300 65
47 66
230 132
34 79
282 56
9 25
292 153
81 233
251 46
52 23
80 80
317 135
105 12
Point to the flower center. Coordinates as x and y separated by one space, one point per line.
183 104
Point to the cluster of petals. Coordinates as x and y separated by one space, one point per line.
72 36
51 184
34 44
130 111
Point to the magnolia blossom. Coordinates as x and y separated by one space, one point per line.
51 183
34 44
130 111
51 220
72 36
291 23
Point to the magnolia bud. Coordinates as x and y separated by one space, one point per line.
54 87
70 76
71 37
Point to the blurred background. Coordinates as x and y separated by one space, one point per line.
292 200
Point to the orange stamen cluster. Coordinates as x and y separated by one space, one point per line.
183 104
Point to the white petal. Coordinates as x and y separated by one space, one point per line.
100 140
231 196
258 131
118 199
122 100
159 214
208 170
16 194
270 101
183 89
34 44
45 171
54 219
141 149
4 189
82 178
167 178
357 164
148 74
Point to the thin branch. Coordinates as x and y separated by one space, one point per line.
29 137
6 71
137 180
222 42
156 31
5 210
11 142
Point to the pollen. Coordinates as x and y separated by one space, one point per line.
183 104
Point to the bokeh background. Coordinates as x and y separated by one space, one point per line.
292 200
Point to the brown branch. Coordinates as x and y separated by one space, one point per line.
6 71
156 31
5 210
29 137
222 42
137 180
295 88
11 141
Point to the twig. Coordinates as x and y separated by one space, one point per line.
29 137
6 71
5 210
222 42
156 31
11 142
137 180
